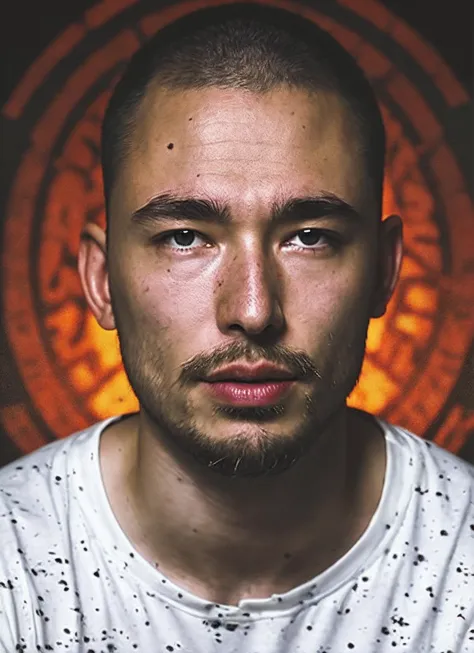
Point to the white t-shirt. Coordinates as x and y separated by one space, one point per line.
71 581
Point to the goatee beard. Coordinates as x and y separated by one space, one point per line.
253 451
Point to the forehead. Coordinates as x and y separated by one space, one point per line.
242 147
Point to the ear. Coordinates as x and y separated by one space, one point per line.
92 266
390 261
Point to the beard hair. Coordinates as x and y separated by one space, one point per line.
261 453
244 455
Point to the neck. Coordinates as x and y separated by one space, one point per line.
226 538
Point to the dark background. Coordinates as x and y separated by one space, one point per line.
28 26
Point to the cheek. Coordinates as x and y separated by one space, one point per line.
169 302
329 300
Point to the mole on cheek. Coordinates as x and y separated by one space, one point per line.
170 146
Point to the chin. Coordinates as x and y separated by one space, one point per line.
248 449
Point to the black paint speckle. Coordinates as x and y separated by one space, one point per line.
45 552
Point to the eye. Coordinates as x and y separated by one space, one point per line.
312 239
183 239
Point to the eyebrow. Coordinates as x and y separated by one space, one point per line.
168 206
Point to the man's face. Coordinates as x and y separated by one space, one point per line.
193 294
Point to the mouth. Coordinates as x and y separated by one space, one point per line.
262 373
258 385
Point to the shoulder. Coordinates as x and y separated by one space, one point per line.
439 487
433 463
34 490
432 544
30 485
28 521
436 489
35 504
441 483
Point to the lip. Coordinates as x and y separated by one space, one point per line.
261 373
254 393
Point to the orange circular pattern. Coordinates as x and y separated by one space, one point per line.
71 369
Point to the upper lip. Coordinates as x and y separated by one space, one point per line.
240 372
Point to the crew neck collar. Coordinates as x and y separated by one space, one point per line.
105 529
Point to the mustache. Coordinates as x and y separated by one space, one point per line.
297 362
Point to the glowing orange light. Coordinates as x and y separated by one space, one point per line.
71 369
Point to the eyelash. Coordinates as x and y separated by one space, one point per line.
333 240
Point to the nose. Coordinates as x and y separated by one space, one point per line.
249 294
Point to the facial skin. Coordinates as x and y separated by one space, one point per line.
248 290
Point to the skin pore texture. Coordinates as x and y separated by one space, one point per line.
231 503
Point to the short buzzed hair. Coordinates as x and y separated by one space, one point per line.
243 46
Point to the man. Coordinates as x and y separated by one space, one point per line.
245 508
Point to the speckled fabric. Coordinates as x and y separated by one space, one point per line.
70 580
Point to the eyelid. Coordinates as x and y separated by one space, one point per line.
333 237
327 233
163 236
171 232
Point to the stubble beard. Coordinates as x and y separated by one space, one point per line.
262 452
255 450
